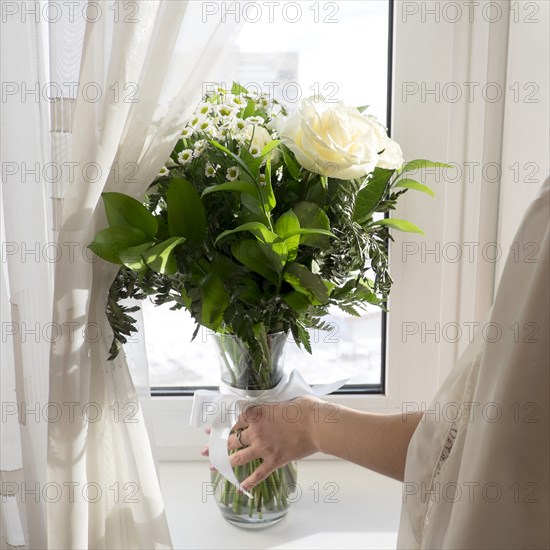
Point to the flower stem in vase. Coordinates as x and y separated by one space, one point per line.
239 370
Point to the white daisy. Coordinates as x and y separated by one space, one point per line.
199 148
163 172
239 101
241 138
209 171
232 173
205 126
187 132
195 121
255 120
254 150
262 181
185 156
240 125
204 108
225 111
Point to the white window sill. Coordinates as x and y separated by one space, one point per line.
364 512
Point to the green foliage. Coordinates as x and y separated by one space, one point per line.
412 184
269 249
124 211
369 197
186 215
401 225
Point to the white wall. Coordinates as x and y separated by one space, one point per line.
464 73
526 143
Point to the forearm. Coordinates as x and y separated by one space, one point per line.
378 442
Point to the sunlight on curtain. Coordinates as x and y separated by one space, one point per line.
26 287
140 74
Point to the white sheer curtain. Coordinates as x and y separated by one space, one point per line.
26 285
140 66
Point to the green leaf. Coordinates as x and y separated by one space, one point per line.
160 257
317 193
349 309
237 159
293 166
187 302
255 211
252 164
419 164
214 300
224 266
364 293
370 196
237 89
249 110
312 217
287 227
109 242
259 230
250 254
363 108
286 224
242 186
132 257
269 147
301 335
125 211
400 225
297 301
311 232
277 254
248 291
412 184
186 215
268 196
306 282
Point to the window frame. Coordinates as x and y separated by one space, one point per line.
348 389
467 51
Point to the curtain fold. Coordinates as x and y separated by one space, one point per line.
138 80
26 286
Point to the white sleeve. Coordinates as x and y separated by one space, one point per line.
477 470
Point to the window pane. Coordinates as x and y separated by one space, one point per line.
338 50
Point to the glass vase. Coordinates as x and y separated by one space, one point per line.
272 497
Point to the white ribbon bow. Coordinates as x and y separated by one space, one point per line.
222 409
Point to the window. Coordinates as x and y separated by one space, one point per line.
428 291
338 50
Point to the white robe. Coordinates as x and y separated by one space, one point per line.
479 478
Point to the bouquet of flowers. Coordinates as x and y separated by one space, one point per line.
258 224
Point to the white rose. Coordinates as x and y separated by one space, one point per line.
392 156
333 139
260 137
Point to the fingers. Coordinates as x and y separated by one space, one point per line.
243 456
234 442
259 474
251 413
241 424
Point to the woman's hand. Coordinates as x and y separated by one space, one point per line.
281 432
278 433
